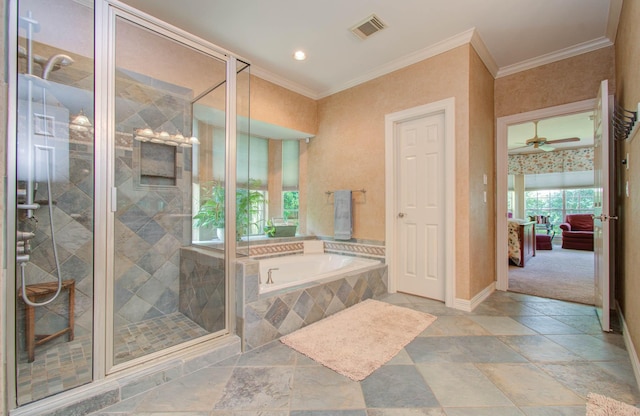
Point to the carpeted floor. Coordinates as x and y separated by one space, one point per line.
557 274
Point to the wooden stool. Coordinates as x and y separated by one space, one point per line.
35 293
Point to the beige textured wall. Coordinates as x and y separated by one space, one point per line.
348 151
481 161
562 82
628 95
276 105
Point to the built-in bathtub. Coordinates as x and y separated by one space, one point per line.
265 312
277 273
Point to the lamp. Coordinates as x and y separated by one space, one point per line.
144 135
80 122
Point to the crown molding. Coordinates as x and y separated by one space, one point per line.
284 82
404 61
470 36
482 51
565 53
85 3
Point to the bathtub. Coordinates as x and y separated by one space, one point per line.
289 271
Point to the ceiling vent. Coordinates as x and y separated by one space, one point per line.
368 27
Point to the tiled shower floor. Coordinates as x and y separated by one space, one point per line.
136 340
66 365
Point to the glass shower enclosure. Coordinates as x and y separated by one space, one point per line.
50 227
103 190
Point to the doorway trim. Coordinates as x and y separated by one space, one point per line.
502 124
446 107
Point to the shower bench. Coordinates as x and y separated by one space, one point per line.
35 293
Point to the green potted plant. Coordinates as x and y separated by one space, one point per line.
249 202
211 212
279 227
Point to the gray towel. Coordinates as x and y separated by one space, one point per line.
342 219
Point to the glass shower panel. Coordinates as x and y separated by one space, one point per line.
251 189
165 292
54 198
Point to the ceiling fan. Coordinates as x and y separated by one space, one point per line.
543 143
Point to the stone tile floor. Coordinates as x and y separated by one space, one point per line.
64 365
514 355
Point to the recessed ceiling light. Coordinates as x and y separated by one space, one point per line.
299 55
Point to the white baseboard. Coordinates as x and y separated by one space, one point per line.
470 305
633 355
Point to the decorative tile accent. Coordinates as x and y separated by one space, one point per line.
297 247
364 250
263 250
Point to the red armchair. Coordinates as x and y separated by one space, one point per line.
577 232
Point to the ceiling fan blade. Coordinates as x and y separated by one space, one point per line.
546 147
517 145
567 140
518 148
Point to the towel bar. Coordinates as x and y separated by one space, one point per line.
364 191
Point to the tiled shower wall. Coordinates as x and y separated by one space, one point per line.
152 221
73 226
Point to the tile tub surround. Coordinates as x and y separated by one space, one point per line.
264 318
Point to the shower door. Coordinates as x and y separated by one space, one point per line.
164 295
50 196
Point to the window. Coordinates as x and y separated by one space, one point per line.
558 203
291 206
290 180
579 201
252 176
511 203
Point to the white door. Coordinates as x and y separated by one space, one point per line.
602 206
420 206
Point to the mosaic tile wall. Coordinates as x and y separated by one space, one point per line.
264 318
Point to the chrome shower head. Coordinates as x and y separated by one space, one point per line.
55 62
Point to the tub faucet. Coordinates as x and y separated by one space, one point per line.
269 278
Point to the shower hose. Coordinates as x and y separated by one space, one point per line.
23 265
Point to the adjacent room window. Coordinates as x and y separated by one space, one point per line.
557 203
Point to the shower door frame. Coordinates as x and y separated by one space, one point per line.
105 13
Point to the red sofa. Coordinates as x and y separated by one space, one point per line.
577 232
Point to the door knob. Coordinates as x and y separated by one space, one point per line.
401 215
604 217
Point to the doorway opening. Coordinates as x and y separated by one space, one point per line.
545 173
